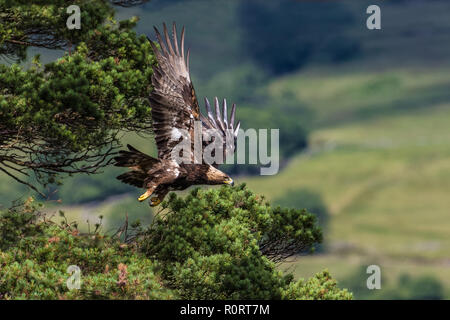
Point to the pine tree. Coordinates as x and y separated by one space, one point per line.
65 117
212 244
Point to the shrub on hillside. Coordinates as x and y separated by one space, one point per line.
224 244
308 199
311 201
36 253
213 244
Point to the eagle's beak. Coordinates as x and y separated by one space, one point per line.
229 181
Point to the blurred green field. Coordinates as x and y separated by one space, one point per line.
383 170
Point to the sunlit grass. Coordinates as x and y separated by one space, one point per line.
342 97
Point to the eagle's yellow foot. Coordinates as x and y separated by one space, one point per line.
145 196
154 201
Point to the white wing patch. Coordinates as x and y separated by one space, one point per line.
175 134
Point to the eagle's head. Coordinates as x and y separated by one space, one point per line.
215 176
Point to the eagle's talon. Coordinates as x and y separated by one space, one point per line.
154 201
144 196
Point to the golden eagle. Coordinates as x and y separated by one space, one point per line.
175 109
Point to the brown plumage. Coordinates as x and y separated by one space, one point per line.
175 108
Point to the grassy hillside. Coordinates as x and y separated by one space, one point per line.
383 169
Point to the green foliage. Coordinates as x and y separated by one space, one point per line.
35 256
222 244
321 286
18 222
76 101
212 244
43 24
305 198
64 117
95 95
40 23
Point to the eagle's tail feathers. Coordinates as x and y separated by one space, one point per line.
139 163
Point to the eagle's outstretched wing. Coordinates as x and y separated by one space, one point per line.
173 100
225 127
174 103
